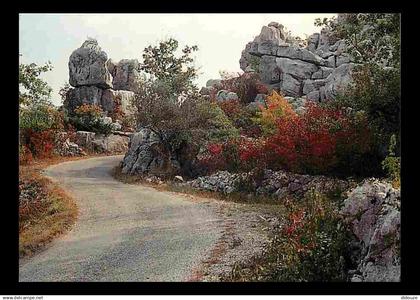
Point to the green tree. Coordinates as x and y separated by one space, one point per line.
373 41
32 89
371 38
176 72
64 90
168 102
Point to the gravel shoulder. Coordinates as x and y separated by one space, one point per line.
130 232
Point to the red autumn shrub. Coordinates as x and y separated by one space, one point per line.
40 144
321 140
215 149
220 156
313 142
231 108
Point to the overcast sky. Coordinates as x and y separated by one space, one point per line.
220 37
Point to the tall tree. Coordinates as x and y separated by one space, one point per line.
33 89
373 41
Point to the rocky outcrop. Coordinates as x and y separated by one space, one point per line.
87 66
224 95
279 185
316 72
64 147
147 155
125 74
372 211
111 99
97 80
100 143
83 95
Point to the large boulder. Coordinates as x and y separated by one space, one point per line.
224 95
295 52
338 80
372 211
82 95
313 41
271 34
322 73
290 86
111 99
100 143
269 71
87 66
296 68
147 155
126 74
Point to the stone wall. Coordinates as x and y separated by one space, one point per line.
279 184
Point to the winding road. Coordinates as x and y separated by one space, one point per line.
124 232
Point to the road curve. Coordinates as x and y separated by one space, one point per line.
124 232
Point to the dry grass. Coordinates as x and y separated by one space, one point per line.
45 209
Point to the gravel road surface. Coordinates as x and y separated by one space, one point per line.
124 232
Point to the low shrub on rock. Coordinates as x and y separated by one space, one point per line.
90 117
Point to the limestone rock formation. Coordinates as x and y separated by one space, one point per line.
87 66
125 74
99 143
148 156
98 80
64 147
83 95
277 184
111 98
224 95
372 210
316 72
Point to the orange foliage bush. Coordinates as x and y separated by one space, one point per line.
276 107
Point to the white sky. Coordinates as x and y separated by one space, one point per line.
220 37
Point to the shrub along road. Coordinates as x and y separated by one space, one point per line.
124 232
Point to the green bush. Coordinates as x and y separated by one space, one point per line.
392 164
40 118
221 128
89 124
89 118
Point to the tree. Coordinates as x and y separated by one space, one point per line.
32 89
371 38
64 90
168 102
177 73
373 41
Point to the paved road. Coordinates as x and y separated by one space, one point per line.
124 232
